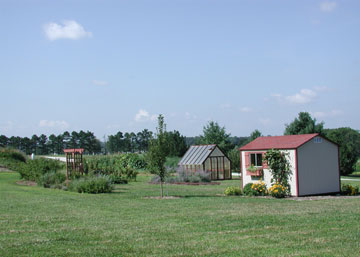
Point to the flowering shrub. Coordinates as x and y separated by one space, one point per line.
348 189
259 188
255 189
277 190
233 191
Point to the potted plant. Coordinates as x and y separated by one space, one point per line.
254 171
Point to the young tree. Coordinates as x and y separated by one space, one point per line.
156 156
214 134
304 124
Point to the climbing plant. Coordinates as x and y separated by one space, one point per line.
279 167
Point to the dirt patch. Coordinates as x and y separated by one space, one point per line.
3 169
322 197
26 183
163 198
190 183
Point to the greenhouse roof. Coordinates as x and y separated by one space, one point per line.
197 154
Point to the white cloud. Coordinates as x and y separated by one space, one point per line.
303 97
143 115
54 124
327 6
68 30
100 82
332 113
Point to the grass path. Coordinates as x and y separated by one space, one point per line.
36 221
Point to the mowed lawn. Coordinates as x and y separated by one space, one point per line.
36 221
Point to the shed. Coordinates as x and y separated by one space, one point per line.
314 162
207 158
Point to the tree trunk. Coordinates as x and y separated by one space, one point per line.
162 190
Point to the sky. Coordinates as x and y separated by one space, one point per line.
109 66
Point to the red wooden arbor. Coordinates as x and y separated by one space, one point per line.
74 162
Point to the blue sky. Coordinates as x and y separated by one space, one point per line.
109 66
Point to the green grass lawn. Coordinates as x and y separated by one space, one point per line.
36 221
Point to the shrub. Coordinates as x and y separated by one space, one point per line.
115 179
259 188
52 180
193 177
233 191
277 190
255 189
13 154
123 165
92 185
348 189
11 158
247 189
34 169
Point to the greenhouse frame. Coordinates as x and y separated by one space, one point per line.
207 158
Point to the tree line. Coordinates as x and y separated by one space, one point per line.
131 142
177 144
54 144
117 143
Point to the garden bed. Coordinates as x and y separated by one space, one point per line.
189 183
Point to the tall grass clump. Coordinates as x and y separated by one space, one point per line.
91 185
52 180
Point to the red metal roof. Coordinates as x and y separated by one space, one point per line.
278 142
74 150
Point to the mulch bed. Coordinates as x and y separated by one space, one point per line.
164 198
190 183
26 183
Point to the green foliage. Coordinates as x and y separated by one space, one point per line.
175 143
11 159
12 154
214 134
52 180
234 156
33 169
349 141
304 124
122 166
233 190
255 134
347 189
247 189
91 185
156 156
277 190
279 167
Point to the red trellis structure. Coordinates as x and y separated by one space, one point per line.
74 162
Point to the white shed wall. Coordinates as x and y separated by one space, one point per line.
318 168
267 175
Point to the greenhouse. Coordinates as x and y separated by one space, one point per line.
207 158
